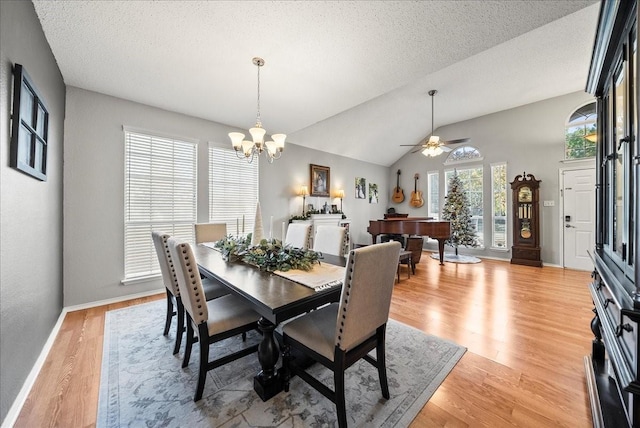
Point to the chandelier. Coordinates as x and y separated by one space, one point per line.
249 149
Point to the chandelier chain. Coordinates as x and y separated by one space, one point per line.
258 119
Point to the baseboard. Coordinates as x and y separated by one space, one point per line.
113 300
18 403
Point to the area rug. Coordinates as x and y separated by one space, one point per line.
143 384
453 258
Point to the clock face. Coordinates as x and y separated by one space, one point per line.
524 194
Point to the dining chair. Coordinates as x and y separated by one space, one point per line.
414 244
211 321
298 235
209 232
340 334
212 289
330 239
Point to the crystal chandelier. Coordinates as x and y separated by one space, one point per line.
249 149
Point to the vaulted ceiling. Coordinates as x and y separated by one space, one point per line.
345 77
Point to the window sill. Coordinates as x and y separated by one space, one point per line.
140 279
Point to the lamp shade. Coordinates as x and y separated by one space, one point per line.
236 139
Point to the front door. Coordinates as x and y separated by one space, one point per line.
579 209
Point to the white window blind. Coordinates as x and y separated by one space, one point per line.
160 194
233 190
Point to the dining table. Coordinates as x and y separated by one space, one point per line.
274 297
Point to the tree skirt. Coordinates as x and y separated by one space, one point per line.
451 257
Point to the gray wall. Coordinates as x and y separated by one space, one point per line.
529 138
94 183
30 211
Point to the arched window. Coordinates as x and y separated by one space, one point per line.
581 133
463 154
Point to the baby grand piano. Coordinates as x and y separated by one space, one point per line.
440 230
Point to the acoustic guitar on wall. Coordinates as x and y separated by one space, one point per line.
398 194
416 195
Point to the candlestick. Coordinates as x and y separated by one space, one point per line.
271 228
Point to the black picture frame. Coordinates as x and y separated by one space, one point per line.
319 180
29 128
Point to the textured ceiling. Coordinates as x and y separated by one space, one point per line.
350 78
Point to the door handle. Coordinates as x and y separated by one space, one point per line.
568 226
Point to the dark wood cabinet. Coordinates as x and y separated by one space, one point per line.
526 221
613 367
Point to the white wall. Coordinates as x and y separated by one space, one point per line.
529 138
94 183
31 210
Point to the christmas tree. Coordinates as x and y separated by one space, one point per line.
456 210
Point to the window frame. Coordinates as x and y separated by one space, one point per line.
30 127
242 188
478 219
176 211
493 205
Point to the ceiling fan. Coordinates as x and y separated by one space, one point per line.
433 146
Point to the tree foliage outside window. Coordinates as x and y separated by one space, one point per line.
499 206
580 132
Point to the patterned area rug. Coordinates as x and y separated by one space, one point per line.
451 257
143 384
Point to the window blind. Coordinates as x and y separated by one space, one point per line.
233 190
160 194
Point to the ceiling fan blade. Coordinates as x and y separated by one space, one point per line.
459 141
410 145
445 149
417 150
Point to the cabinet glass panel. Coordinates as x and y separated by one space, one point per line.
618 168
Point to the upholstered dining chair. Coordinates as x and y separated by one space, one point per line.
212 289
330 239
414 244
211 321
340 334
209 232
298 235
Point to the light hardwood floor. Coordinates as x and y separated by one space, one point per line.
526 331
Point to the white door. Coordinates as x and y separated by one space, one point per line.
579 213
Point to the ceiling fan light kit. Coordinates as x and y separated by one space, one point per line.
434 146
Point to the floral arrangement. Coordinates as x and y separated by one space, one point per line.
269 255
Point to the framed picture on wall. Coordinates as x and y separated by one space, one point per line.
30 127
320 178
361 188
373 193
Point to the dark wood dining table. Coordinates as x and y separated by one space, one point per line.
274 297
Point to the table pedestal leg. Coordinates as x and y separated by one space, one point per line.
267 383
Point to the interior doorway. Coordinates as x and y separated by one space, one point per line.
578 217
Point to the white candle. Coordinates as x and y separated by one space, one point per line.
271 228
283 231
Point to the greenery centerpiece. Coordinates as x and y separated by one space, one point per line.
269 254
273 255
233 247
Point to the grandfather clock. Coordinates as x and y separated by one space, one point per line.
526 223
